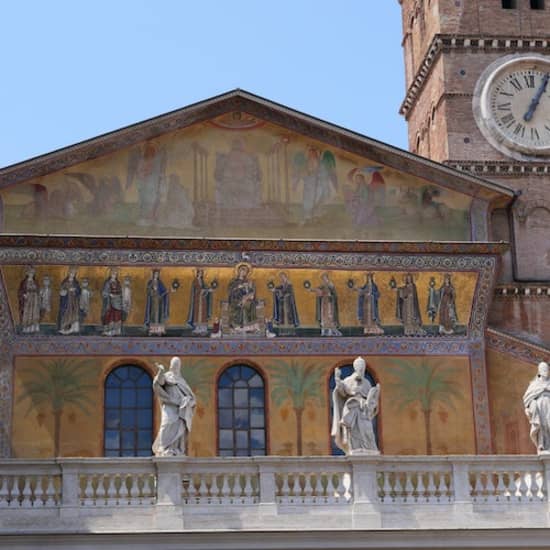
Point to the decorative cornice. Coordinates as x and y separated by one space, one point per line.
61 249
502 169
516 347
474 43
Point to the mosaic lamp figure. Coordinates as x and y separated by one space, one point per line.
177 407
536 401
355 405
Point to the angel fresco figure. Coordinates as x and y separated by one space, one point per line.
407 307
317 171
69 315
326 306
443 301
177 406
367 306
200 303
112 311
536 401
29 303
354 407
157 305
285 312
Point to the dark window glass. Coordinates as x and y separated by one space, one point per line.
346 370
241 412
537 4
509 4
128 420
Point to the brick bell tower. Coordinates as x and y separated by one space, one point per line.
478 99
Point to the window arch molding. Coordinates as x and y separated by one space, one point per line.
266 412
149 371
373 379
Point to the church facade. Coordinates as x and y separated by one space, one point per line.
266 249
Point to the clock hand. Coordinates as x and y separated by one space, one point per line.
536 99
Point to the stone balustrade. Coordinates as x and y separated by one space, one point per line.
374 492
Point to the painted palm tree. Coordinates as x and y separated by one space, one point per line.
424 384
299 384
57 384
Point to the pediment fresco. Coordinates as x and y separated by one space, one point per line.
236 176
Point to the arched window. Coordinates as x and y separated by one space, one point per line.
128 420
346 370
241 412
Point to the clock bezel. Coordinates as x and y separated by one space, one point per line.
482 109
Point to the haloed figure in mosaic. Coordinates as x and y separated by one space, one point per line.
69 316
242 300
177 406
200 304
29 303
367 306
157 306
408 309
354 406
112 311
536 401
285 313
326 310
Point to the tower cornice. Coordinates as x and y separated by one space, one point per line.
442 43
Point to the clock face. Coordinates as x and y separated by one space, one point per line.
513 108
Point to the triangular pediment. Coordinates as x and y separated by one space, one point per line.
240 166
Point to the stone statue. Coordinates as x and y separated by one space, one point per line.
536 401
177 405
355 404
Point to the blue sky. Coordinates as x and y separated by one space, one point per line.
72 70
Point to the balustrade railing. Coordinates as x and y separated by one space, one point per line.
280 481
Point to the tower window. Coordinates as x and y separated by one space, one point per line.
537 4
509 4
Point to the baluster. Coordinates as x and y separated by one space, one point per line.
49 493
203 488
40 490
246 487
510 492
285 487
431 488
307 493
523 486
26 494
111 489
387 488
342 492
539 485
407 486
500 487
133 492
226 490
478 487
88 491
4 492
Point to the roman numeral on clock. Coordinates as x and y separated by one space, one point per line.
519 129
504 106
534 134
516 84
529 80
508 120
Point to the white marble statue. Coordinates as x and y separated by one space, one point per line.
355 404
177 405
536 401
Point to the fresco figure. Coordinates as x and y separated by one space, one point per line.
146 167
242 300
177 209
69 315
112 312
285 312
238 178
200 304
536 401
177 407
326 310
367 306
157 305
407 308
317 172
354 406
29 303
